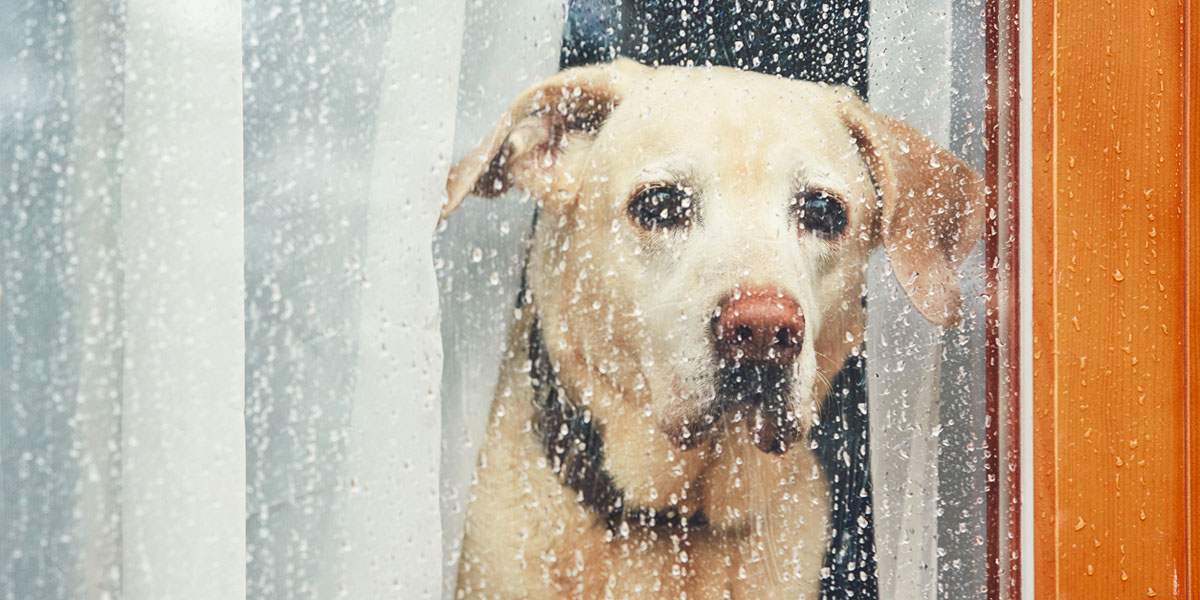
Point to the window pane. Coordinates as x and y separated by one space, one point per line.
710 308
634 286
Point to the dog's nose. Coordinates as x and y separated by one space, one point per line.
759 325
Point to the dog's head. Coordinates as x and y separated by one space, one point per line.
704 234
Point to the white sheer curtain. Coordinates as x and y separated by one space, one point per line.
505 50
910 71
122 449
392 529
927 385
159 272
220 346
183 465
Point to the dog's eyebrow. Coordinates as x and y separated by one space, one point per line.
807 182
669 169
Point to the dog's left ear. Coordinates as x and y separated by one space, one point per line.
525 147
932 209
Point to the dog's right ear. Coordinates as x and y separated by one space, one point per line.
932 208
525 146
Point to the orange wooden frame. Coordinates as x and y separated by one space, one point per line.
1116 333
1192 340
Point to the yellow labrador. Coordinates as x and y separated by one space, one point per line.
693 285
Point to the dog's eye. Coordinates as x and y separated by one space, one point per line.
822 214
661 207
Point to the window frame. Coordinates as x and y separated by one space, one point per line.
1148 534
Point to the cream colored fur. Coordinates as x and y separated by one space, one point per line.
626 315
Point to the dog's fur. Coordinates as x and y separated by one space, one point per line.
625 315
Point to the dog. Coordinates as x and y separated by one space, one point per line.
695 280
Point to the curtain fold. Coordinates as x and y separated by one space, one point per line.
910 76
312 83
95 187
138 208
39 346
480 252
183 476
121 441
926 385
391 526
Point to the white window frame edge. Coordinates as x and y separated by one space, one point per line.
1025 299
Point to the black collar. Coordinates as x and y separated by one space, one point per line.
574 446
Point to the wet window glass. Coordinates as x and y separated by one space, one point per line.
546 298
765 298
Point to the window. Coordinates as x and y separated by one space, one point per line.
732 298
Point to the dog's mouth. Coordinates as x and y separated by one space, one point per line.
751 394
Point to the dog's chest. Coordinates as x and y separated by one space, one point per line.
773 548
529 531
703 565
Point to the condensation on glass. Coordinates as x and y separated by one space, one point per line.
906 454
679 337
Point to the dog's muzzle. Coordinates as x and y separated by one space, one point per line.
758 392
757 335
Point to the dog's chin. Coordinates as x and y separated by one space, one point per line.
756 397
